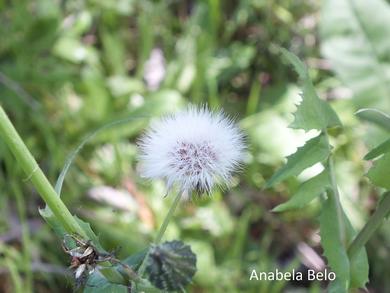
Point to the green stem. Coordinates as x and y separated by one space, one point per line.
168 218
162 230
35 174
371 226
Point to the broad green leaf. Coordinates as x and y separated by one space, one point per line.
306 192
355 38
111 273
331 230
98 284
135 260
146 286
375 116
359 269
312 112
379 174
384 147
337 286
315 150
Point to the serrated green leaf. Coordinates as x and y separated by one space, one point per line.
91 235
334 250
375 116
379 174
171 265
299 67
315 150
354 37
312 112
384 147
135 260
306 192
53 222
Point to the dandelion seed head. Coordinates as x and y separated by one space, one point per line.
194 149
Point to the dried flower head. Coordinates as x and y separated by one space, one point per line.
195 149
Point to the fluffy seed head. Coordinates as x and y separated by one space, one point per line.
195 149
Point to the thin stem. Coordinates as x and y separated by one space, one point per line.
23 156
24 96
371 226
168 218
162 230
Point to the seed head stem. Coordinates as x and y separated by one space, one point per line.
162 229
168 218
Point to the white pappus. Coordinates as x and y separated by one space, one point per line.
194 149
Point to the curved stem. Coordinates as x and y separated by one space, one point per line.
371 226
23 156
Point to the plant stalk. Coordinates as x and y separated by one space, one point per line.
371 226
23 156
168 218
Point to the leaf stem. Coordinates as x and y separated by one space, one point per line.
371 226
23 156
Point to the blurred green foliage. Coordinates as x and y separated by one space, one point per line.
68 67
